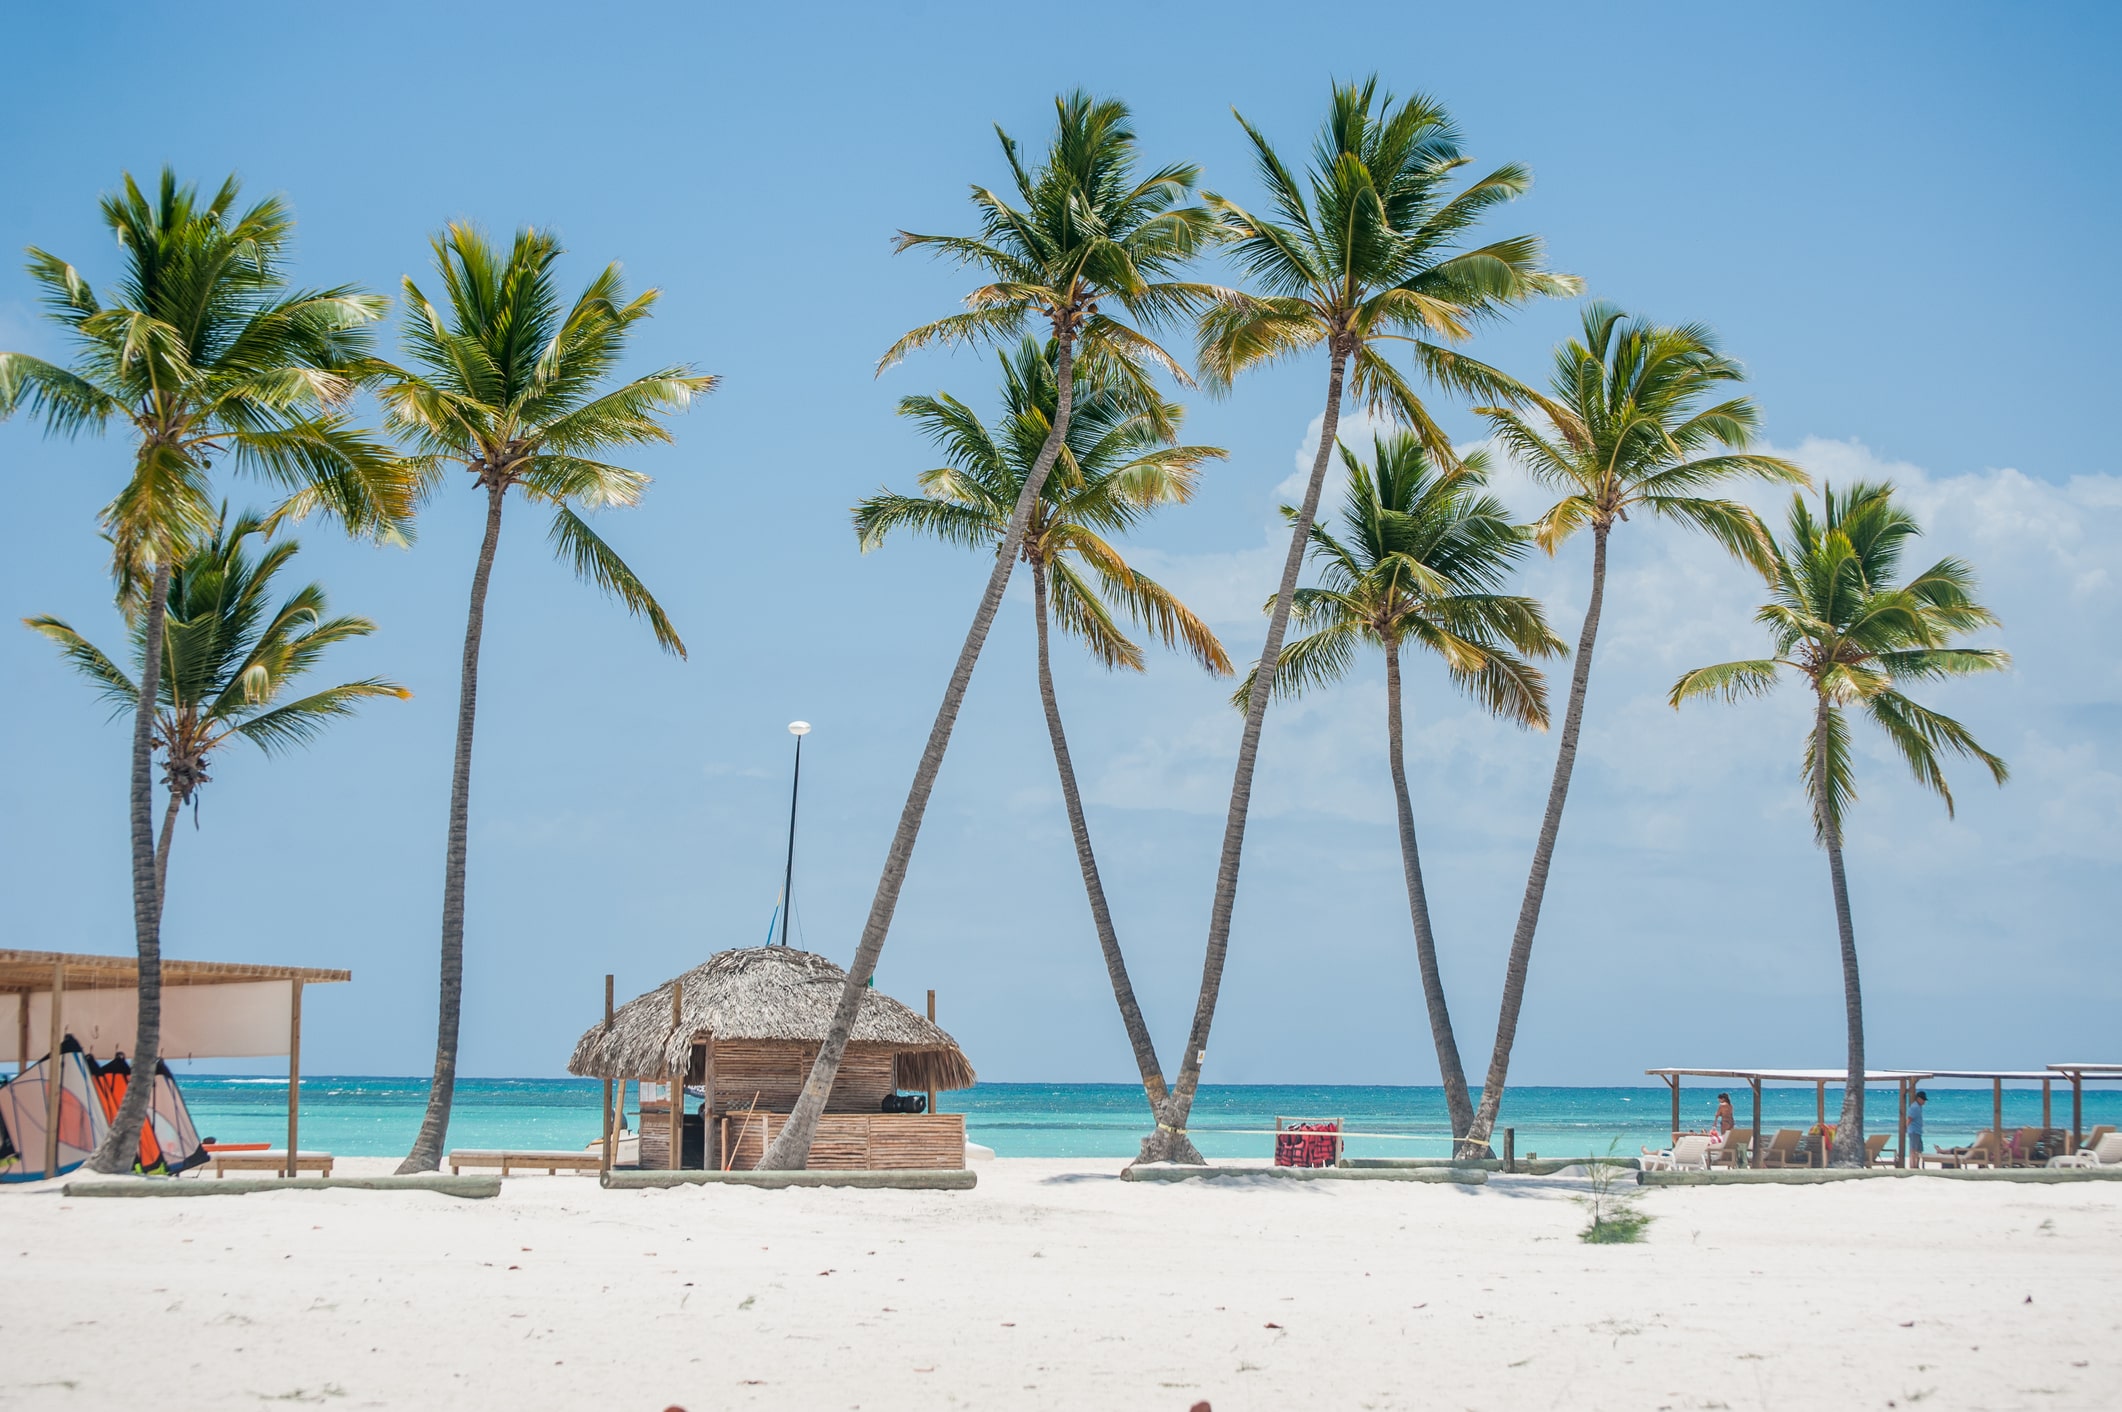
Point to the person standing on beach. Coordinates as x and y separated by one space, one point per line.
1725 1121
1915 1121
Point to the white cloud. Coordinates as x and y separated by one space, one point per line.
2050 560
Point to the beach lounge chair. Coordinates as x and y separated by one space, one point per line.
271 1162
552 1162
1984 1151
1782 1149
1731 1152
1875 1151
2107 1152
1689 1153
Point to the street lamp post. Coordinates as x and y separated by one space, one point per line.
798 729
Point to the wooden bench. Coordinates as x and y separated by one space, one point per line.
552 1162
318 1162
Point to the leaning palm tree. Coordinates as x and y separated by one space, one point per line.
1421 561
202 349
1629 427
229 659
1115 468
513 383
1090 237
1367 250
1843 626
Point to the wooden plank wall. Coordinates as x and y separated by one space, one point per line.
856 1142
775 1071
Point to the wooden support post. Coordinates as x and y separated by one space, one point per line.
1996 1113
932 1020
2077 1110
1674 1081
1753 1156
677 1081
606 1164
1510 1149
2047 1121
53 1071
1820 1104
1901 1142
707 1095
22 1036
294 1073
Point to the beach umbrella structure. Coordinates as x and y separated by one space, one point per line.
740 1032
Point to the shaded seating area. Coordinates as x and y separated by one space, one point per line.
1998 1145
1793 1147
739 1033
210 1010
2077 1076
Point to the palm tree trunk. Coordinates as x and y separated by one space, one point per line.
1849 1129
1521 942
1165 1144
791 1149
426 1155
1138 1035
1457 1102
169 834
120 1147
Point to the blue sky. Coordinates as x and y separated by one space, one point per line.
1889 213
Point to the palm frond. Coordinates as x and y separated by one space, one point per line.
594 561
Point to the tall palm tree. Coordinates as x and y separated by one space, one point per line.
1629 426
1115 468
229 659
1843 626
1366 250
202 349
1089 235
1423 557
514 383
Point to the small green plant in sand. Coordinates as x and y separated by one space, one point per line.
1614 1217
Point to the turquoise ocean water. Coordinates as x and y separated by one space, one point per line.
377 1117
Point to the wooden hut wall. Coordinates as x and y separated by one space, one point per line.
853 1142
774 1070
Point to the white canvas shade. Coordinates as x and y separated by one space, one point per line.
210 1010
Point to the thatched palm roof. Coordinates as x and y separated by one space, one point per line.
762 993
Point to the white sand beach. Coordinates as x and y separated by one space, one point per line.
1054 1285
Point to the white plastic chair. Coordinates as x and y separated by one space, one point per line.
1688 1154
2107 1152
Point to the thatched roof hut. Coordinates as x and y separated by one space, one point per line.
771 994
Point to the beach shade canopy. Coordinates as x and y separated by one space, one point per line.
210 1009
1904 1081
770 993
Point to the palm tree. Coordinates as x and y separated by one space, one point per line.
1115 468
1090 234
514 385
1854 636
1425 554
1629 426
229 657
1365 251
202 349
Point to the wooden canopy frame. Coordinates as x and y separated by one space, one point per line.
52 974
2078 1074
1904 1080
